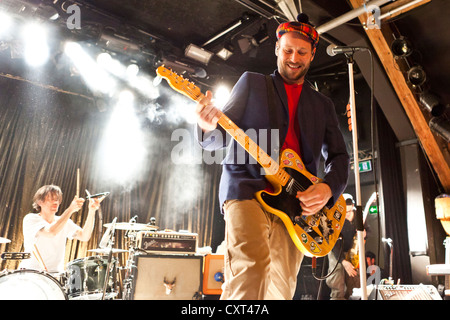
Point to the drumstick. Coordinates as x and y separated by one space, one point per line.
39 258
78 182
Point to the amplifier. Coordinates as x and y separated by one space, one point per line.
166 277
167 242
408 292
213 277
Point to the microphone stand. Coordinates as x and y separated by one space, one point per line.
359 215
391 255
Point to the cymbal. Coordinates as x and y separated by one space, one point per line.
132 226
4 240
105 251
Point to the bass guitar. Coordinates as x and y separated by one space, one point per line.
314 235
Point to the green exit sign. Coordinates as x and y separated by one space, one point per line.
365 166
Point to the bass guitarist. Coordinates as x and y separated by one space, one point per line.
261 261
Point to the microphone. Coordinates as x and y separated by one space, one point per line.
333 49
98 195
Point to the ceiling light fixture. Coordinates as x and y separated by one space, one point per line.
226 52
401 47
199 54
416 76
432 104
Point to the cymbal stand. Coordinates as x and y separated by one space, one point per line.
108 268
359 215
130 265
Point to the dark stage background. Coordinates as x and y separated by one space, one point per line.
45 135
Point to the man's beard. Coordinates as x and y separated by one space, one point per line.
293 77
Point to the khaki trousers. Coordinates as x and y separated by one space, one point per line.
261 261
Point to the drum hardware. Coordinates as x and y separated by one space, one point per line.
15 255
110 243
132 226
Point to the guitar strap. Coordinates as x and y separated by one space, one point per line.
274 124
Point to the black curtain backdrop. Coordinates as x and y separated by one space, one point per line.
45 136
394 201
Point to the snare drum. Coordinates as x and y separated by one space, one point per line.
86 278
25 284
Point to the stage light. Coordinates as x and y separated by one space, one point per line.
261 36
95 76
226 52
111 65
132 70
247 43
221 96
36 51
199 54
401 47
441 126
103 59
432 104
416 76
6 23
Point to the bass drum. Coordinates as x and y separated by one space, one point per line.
25 284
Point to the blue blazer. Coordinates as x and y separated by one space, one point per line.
248 109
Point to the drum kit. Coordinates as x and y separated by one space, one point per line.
90 278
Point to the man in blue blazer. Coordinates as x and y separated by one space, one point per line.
261 261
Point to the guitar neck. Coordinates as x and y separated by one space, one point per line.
274 173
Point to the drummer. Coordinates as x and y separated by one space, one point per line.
45 233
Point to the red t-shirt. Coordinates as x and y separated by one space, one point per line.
293 135
292 140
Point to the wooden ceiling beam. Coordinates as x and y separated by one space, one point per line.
434 147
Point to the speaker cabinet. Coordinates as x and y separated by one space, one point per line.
213 274
167 277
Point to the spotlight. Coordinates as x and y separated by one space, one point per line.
431 104
248 43
221 94
104 59
260 36
441 126
36 51
199 54
416 76
401 47
226 52
5 25
95 76
132 70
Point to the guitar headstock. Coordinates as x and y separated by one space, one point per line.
180 84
